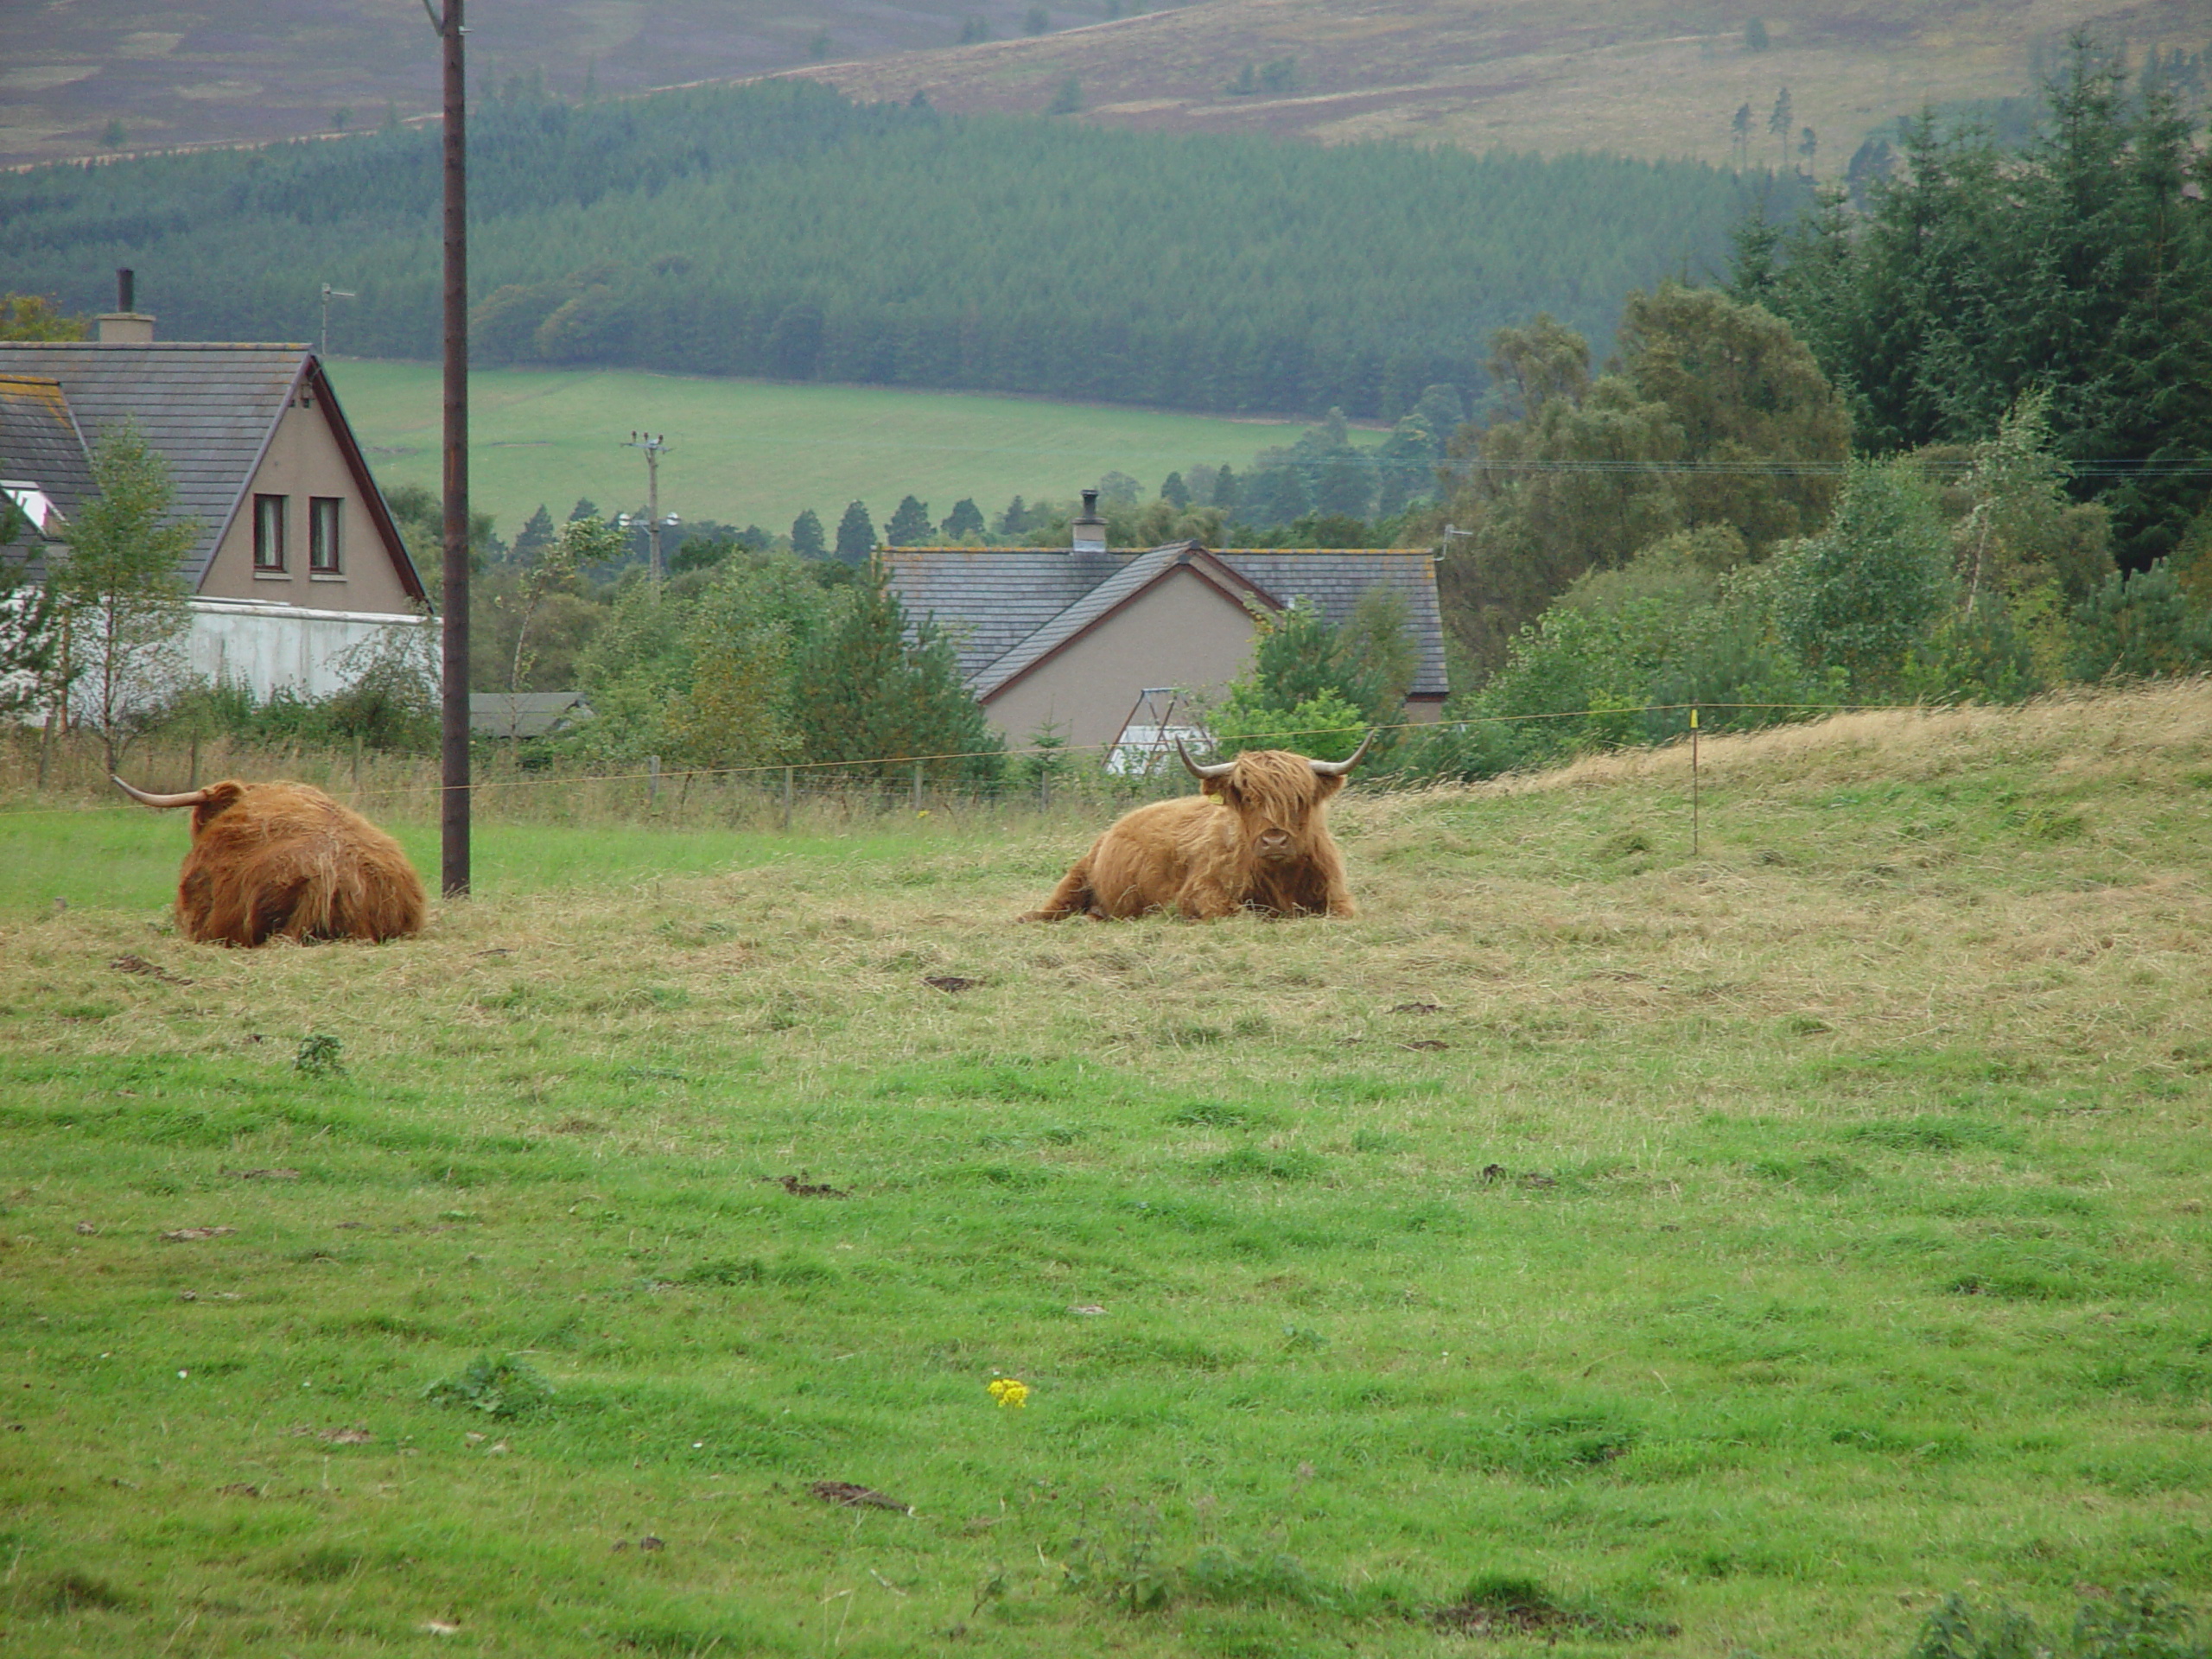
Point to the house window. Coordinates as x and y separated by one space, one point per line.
269 531
323 553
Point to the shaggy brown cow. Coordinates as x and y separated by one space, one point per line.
1255 837
272 861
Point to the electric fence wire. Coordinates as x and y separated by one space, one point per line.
775 770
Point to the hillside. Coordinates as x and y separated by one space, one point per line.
1592 1248
1645 78
755 452
232 71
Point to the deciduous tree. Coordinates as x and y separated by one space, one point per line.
121 596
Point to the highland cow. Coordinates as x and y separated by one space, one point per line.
1255 837
283 860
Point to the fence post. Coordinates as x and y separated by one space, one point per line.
652 782
787 800
917 786
1694 827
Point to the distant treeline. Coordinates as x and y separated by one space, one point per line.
781 231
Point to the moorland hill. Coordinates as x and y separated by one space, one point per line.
251 71
1643 78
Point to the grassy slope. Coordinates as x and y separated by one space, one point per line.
1760 1244
747 451
1646 78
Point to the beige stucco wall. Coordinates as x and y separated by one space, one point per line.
303 460
1183 632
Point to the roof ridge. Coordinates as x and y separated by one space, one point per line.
160 345
1139 552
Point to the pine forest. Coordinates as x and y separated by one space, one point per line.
781 231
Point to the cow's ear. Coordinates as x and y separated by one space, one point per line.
1223 788
220 798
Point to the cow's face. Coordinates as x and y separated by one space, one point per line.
1277 799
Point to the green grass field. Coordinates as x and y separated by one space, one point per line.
755 452
1591 1249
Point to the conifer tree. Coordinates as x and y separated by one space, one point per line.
877 687
855 534
806 535
536 536
910 523
965 522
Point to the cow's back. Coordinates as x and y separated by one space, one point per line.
1143 862
288 861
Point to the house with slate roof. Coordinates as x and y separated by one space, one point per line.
298 560
1083 637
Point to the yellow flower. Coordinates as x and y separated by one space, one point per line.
1013 1395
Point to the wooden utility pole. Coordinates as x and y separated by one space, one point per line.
654 448
453 819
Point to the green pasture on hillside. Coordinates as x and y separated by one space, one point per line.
1592 1248
756 452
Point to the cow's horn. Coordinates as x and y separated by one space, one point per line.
1338 768
1198 770
192 797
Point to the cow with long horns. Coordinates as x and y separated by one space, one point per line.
1255 837
285 860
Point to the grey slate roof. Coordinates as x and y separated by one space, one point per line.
40 442
209 408
1008 609
989 599
1333 580
1124 584
524 714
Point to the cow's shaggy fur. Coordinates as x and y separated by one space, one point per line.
1255 839
285 860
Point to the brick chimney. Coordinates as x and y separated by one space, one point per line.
126 326
1089 529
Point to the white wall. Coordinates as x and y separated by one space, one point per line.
266 646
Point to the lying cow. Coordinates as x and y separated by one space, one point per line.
271 860
1255 837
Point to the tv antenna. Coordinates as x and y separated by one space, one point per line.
329 295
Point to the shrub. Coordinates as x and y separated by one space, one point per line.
2141 626
1865 591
